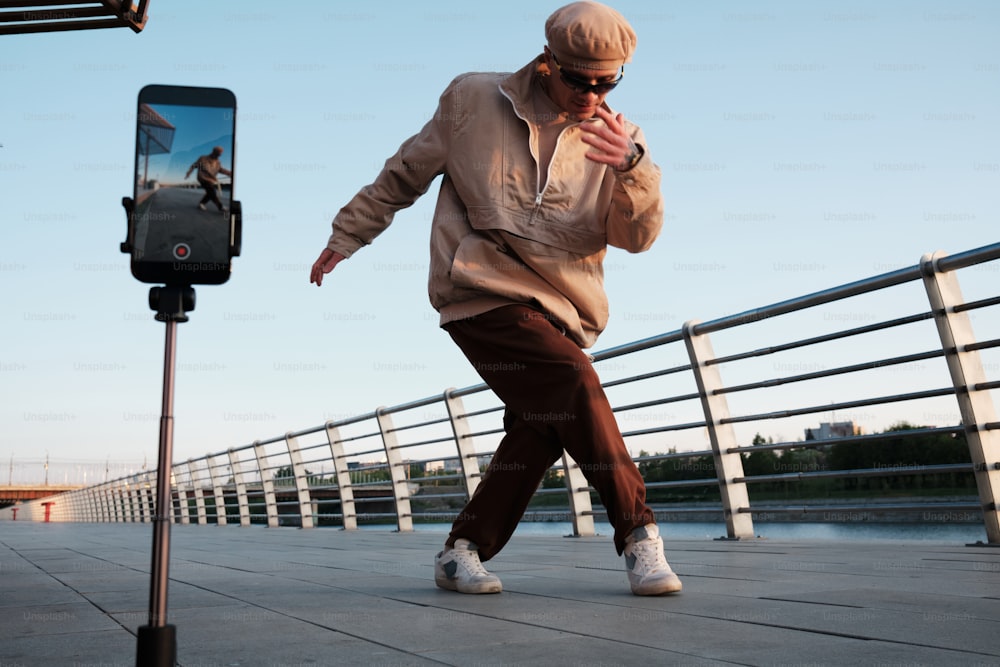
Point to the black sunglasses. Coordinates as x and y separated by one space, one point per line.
584 86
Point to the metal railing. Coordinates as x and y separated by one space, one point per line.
668 394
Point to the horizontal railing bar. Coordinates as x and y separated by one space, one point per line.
639 345
974 305
412 405
308 431
684 483
830 372
825 338
479 413
428 496
900 507
674 455
425 442
664 429
433 459
647 376
366 468
961 260
407 427
982 345
851 439
863 472
856 288
492 431
362 436
468 391
269 441
931 393
687 510
661 401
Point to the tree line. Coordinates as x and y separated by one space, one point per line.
897 456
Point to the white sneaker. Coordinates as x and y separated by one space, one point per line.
648 571
202 207
459 569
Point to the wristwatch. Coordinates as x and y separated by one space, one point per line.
633 158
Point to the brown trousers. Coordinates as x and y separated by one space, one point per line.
554 401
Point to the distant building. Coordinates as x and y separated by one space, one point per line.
826 431
453 465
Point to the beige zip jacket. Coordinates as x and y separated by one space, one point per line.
497 239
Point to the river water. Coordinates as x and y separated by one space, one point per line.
957 533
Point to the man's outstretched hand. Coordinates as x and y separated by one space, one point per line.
324 265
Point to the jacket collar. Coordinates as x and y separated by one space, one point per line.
517 86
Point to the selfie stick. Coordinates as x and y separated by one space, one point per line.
158 640
157 646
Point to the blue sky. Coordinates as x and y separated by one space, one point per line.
803 146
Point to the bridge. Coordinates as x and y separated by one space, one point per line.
247 589
11 494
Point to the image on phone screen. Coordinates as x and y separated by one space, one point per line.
183 185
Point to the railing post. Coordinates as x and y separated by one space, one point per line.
967 375
71 507
301 480
125 493
267 484
116 502
178 512
182 497
106 503
104 506
127 510
217 490
242 500
147 499
340 469
134 510
125 498
579 498
728 465
93 505
397 471
66 511
468 460
199 492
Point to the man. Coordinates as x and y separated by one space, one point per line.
208 167
539 177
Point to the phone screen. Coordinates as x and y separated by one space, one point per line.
182 231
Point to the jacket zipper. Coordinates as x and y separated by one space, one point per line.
539 191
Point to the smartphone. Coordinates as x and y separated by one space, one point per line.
183 226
